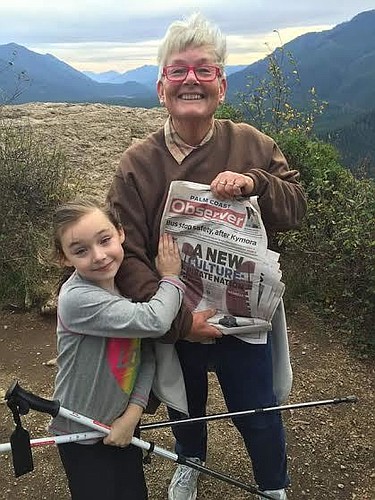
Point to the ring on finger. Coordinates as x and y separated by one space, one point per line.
222 183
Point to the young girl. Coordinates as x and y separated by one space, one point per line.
102 372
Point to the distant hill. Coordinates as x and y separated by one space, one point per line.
48 79
146 75
105 77
339 63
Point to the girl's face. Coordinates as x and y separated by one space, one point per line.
191 99
92 245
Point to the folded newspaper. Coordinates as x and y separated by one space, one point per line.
225 260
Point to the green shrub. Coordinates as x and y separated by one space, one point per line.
269 102
229 112
34 179
331 260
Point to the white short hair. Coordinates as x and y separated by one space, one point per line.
195 31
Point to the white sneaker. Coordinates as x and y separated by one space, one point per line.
276 494
183 485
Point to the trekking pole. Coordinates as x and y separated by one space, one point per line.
19 400
83 436
65 438
243 413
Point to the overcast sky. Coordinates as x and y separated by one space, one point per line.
99 35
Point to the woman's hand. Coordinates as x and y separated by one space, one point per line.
229 184
168 260
201 330
122 429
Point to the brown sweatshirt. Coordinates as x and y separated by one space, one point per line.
140 187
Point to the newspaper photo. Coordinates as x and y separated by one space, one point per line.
226 264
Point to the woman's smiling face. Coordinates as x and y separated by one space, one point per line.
192 99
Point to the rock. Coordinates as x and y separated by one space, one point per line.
51 362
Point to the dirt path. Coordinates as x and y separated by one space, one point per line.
330 449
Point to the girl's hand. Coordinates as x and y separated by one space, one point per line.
229 184
168 261
122 429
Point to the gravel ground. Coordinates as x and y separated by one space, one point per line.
330 448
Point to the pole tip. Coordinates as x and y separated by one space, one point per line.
351 399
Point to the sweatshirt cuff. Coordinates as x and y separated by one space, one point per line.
175 281
139 399
255 180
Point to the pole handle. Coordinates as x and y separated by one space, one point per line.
25 400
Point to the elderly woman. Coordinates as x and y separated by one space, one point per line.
235 159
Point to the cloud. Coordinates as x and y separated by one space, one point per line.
77 21
97 56
255 47
115 32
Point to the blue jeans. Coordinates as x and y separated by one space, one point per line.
244 372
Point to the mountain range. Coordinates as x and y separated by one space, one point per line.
26 76
147 75
339 63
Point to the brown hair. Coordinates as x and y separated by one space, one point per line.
71 212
